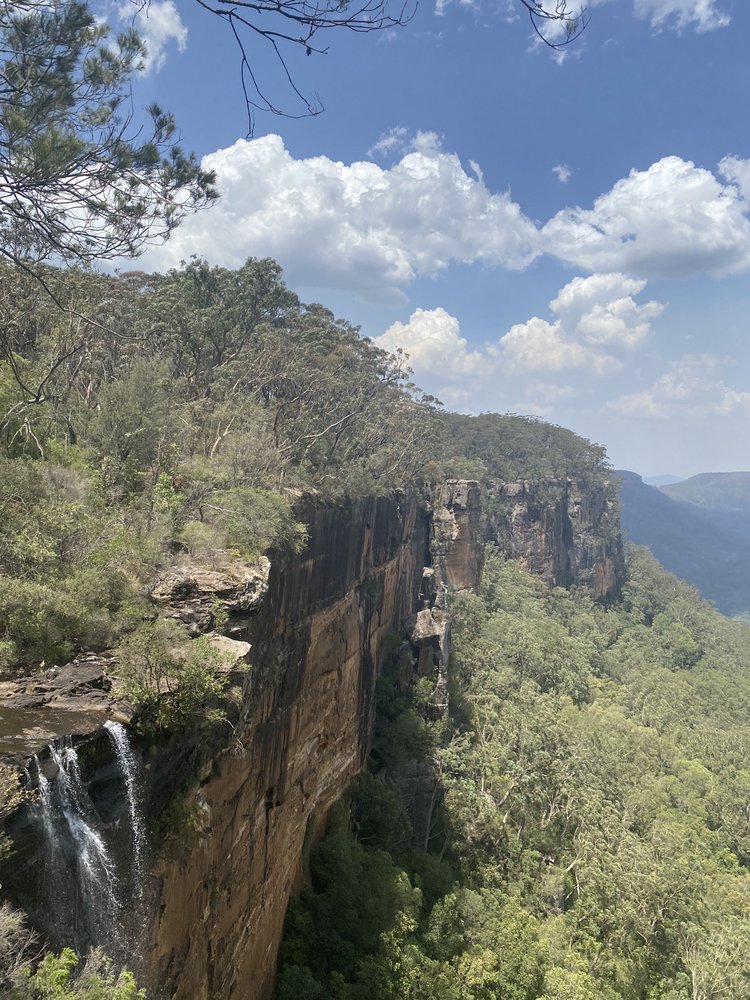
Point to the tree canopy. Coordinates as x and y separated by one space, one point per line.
159 415
81 178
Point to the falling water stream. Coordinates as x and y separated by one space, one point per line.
130 773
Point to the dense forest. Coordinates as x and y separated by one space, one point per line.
576 828
573 822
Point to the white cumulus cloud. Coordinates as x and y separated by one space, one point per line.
158 23
373 230
562 172
737 172
432 339
392 141
590 314
354 226
601 310
671 220
538 345
691 388
702 15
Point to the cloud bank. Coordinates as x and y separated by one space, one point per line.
374 230
353 226
672 220
593 316
690 389
596 318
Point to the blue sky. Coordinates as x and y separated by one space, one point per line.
565 236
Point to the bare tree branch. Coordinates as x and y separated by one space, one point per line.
567 23
285 25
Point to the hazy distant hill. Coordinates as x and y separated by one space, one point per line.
695 543
717 490
723 496
665 480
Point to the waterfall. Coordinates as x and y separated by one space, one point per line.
45 804
130 773
94 871
81 874
55 869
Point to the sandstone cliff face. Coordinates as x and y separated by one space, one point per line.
456 542
567 534
563 533
317 641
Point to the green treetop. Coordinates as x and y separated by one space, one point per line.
80 180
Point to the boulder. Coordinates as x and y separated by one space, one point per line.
191 593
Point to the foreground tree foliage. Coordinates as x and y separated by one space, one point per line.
80 180
577 829
26 974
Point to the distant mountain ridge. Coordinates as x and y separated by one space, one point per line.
723 496
697 539
728 491
666 480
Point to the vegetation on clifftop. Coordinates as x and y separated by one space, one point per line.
180 419
575 829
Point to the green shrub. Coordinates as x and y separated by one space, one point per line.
254 521
57 978
170 685
39 622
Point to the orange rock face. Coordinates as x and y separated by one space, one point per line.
457 540
316 644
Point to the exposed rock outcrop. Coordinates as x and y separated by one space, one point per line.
564 533
456 541
317 642
73 699
192 594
